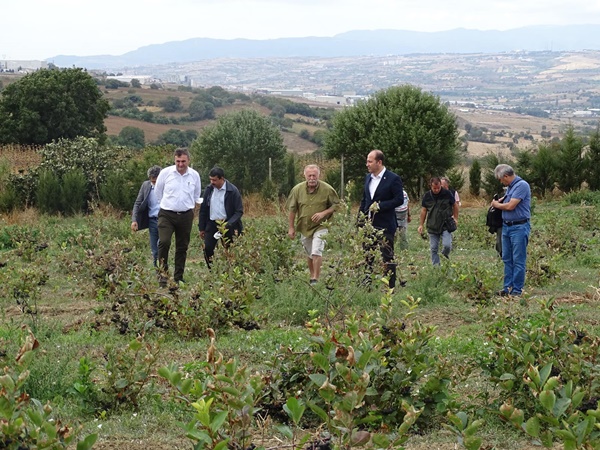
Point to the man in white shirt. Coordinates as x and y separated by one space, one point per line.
177 188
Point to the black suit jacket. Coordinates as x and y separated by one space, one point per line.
233 207
140 207
389 195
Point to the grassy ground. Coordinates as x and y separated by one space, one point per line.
65 278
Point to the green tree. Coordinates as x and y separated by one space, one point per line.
457 180
200 110
290 178
197 110
278 111
48 105
414 129
475 178
135 83
571 164
242 143
490 183
73 191
592 160
319 137
131 137
177 137
538 167
48 194
94 159
171 104
305 134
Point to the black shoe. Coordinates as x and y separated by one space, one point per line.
503 293
162 278
313 281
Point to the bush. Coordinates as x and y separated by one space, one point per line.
49 192
114 191
74 191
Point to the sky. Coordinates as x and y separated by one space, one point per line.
41 29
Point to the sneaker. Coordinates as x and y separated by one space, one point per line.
503 293
313 281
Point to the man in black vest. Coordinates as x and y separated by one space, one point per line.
437 205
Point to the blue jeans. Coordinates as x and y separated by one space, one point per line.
153 230
514 255
434 245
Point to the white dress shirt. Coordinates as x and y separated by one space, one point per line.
177 192
375 180
217 204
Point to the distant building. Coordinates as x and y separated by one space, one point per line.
23 66
144 79
287 93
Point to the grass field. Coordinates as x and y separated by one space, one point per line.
82 283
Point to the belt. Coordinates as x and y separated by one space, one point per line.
510 223
178 212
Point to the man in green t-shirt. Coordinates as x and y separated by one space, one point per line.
310 204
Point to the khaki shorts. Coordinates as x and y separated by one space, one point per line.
316 244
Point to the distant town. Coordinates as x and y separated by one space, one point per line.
544 83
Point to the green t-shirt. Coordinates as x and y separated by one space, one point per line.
306 204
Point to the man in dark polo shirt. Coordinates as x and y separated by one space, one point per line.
177 189
311 203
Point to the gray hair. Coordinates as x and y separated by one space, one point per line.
312 166
154 171
503 169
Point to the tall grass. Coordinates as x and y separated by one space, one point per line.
95 266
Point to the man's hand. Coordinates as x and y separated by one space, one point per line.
202 234
420 229
317 217
291 233
134 226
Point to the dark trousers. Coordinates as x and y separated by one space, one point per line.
499 241
210 243
170 222
386 246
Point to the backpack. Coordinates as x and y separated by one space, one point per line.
494 219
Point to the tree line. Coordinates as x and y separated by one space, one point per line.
63 110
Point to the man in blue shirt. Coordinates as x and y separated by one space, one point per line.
516 213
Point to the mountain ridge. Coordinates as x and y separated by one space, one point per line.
351 43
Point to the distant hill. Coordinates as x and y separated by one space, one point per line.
351 43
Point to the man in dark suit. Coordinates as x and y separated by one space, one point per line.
383 192
222 203
145 211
